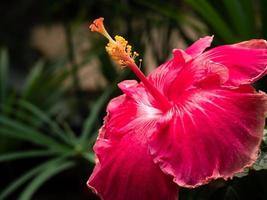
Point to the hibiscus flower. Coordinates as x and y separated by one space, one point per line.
192 120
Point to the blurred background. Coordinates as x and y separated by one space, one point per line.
56 80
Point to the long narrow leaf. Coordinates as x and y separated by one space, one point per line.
37 182
69 131
27 176
32 78
7 107
174 13
89 122
25 154
204 8
24 116
238 18
89 156
18 130
87 128
46 119
250 15
165 8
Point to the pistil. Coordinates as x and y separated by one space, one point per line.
121 52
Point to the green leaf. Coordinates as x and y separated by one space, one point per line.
265 136
96 108
165 8
16 129
238 18
42 177
46 119
174 13
204 8
27 176
3 74
32 78
25 154
243 173
89 156
24 117
261 162
250 16
7 107
69 132
44 86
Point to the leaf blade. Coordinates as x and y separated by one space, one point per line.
204 8
88 124
16 129
46 119
25 177
42 178
238 17
25 154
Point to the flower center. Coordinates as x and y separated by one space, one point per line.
121 52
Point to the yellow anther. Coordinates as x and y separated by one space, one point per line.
121 40
121 52
118 49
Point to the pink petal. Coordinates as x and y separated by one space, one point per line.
181 68
196 49
124 168
199 46
164 75
211 134
205 74
246 61
180 56
213 130
241 63
126 171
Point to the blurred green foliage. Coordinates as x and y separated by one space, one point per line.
48 127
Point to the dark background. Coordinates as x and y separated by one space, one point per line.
56 79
